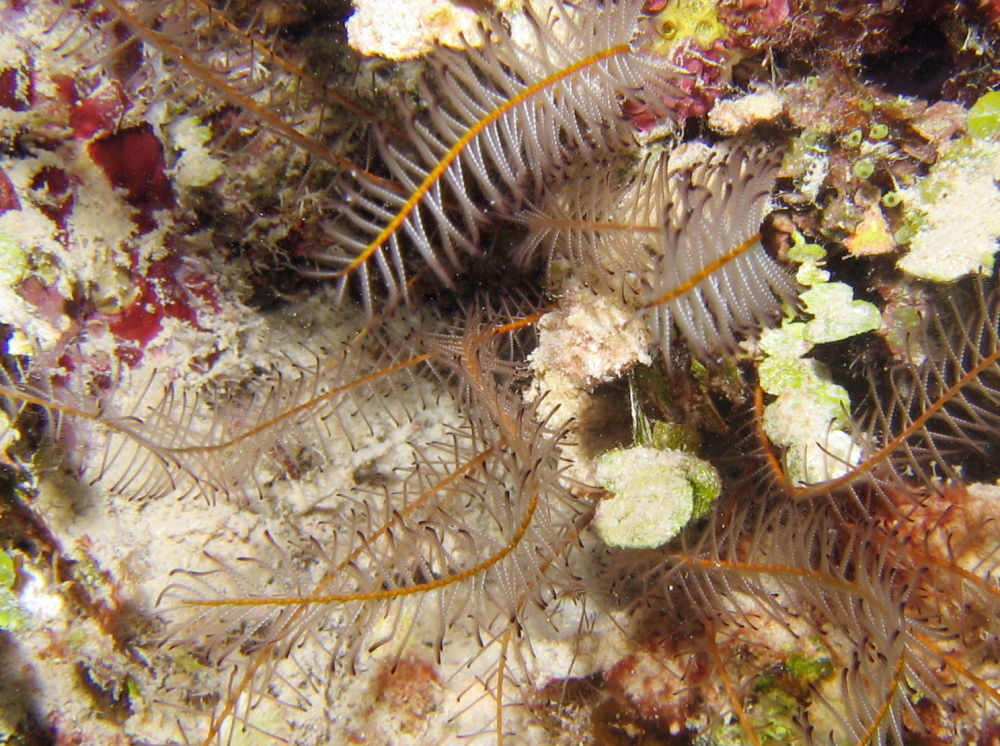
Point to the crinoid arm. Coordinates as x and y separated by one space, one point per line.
241 67
465 539
890 653
604 219
712 277
501 124
680 244
223 438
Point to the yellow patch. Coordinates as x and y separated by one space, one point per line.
682 20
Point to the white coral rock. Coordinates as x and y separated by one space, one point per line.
957 204
732 116
589 339
407 30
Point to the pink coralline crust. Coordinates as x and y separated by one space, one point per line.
658 685
754 17
169 289
47 301
709 75
75 122
710 72
100 112
58 197
710 69
8 196
134 328
133 160
769 12
845 30
751 25
142 321
80 117
182 289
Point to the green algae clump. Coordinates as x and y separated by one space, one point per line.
809 414
657 492
984 116
12 617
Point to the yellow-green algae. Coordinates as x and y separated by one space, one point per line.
14 264
809 415
12 616
656 493
984 116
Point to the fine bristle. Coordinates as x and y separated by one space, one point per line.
477 526
229 518
932 418
867 593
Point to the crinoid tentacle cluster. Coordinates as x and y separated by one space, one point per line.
516 292
679 241
457 545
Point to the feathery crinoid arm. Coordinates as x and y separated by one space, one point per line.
712 276
201 45
219 440
683 244
604 219
871 593
945 410
500 123
463 536
899 613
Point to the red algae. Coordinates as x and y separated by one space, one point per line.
133 160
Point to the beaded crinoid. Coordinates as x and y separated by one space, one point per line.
366 515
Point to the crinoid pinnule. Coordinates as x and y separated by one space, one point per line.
823 624
712 277
941 411
361 524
